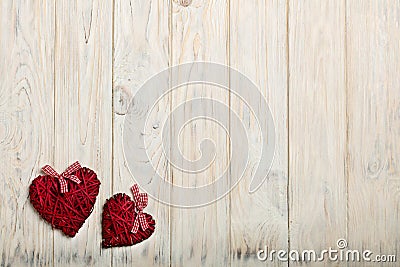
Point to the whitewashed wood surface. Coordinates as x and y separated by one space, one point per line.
330 71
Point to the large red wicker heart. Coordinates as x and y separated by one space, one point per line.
118 218
65 211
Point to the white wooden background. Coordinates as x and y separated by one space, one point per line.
329 69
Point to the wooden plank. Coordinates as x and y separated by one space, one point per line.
26 127
199 32
83 115
258 48
141 49
317 124
373 68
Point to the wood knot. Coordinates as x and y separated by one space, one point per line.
185 3
122 97
374 168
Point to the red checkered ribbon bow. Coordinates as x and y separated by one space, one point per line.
141 202
65 175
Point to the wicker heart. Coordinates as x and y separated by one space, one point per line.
118 218
65 211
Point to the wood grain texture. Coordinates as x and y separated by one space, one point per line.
199 32
83 115
329 70
141 49
317 124
258 48
26 127
373 78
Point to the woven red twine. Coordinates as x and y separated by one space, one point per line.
65 211
119 214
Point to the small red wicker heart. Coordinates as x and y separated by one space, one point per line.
119 216
65 211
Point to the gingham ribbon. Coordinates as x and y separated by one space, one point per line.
65 175
141 200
